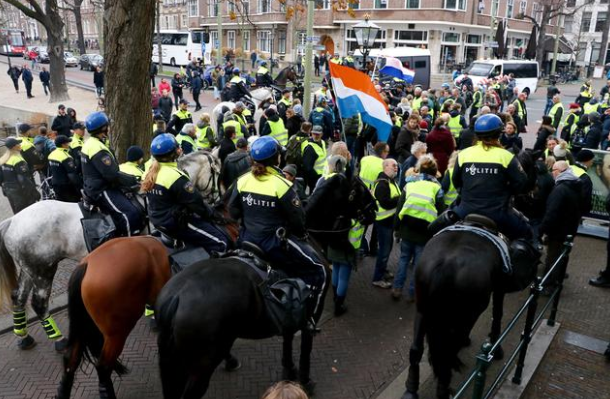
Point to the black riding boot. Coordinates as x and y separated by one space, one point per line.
603 280
340 308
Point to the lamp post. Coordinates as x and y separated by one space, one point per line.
366 32
272 36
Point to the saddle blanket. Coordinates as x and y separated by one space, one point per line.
493 238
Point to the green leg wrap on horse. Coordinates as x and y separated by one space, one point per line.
20 323
149 311
50 327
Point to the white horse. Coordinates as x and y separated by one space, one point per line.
259 96
34 241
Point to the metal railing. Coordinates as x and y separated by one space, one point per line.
478 376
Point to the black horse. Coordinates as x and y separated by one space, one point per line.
285 75
203 310
455 278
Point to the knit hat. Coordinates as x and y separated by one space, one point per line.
559 152
290 169
298 109
423 125
134 153
574 106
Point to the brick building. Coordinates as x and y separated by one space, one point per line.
454 30
583 29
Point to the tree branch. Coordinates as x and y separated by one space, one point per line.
21 7
36 7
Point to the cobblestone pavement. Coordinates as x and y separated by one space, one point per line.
355 356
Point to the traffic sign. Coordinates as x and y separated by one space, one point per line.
313 39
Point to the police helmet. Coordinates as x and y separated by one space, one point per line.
264 148
96 121
235 71
163 144
263 63
488 125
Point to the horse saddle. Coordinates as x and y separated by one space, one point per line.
97 226
285 298
181 255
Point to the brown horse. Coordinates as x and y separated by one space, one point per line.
106 297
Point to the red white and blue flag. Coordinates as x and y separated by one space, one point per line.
393 67
355 93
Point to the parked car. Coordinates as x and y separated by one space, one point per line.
31 51
91 61
70 60
43 57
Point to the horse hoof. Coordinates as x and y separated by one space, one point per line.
498 353
309 387
289 374
26 343
410 395
61 345
232 364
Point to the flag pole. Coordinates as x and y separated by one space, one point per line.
374 68
332 87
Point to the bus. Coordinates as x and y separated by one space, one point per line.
12 42
180 47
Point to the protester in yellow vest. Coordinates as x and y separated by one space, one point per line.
314 157
205 135
386 192
556 112
274 127
419 204
371 165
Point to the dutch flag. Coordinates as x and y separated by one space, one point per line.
393 67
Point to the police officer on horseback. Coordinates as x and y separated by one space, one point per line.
174 206
263 77
487 175
238 87
273 218
102 180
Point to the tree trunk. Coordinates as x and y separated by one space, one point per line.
159 48
54 26
542 36
78 19
128 27
604 49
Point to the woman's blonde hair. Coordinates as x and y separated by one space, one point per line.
285 390
426 164
205 117
151 176
340 148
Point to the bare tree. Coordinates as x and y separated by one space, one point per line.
74 6
53 23
128 32
551 9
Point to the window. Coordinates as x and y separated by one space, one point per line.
381 3
214 39
354 5
455 4
352 44
231 6
412 4
473 39
166 19
281 42
410 38
245 5
184 19
582 49
212 8
586 21
568 23
193 8
522 7
263 41
536 12
245 40
452 37
522 70
264 6
597 47
601 20
322 4
175 22
495 7
510 5
231 39
302 39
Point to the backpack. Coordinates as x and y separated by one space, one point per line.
317 118
294 155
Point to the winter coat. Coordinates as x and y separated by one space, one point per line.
441 145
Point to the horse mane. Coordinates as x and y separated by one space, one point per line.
207 172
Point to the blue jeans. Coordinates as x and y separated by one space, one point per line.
549 105
408 251
384 238
341 274
351 142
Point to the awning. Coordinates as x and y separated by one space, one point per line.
564 48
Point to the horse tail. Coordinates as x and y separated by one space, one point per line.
8 270
173 375
443 342
83 330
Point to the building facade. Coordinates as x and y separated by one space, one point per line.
583 30
455 31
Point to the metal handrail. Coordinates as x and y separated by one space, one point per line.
478 375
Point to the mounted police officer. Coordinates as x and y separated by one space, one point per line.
102 180
174 206
16 178
273 218
263 78
238 87
487 175
65 177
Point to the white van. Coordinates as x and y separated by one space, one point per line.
526 72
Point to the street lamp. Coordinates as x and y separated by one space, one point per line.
366 32
272 37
